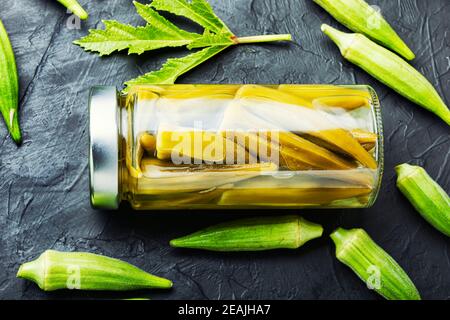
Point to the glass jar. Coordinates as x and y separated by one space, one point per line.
235 146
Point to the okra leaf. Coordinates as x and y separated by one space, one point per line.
175 67
212 39
117 36
161 23
198 11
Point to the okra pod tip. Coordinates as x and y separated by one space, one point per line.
309 231
75 7
343 40
33 271
404 170
339 237
12 123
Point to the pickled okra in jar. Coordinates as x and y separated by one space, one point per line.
235 146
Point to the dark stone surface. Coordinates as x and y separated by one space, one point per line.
44 183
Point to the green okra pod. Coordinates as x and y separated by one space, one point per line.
75 7
55 270
9 86
432 202
390 69
359 16
373 265
254 234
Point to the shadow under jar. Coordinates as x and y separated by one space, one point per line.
235 146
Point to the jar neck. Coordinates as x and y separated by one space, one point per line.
122 144
126 104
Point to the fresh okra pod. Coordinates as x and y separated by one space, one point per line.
390 69
255 234
75 7
55 270
432 202
9 86
373 265
359 16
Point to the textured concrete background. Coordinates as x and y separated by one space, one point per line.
44 198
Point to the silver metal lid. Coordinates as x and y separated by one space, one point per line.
104 147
